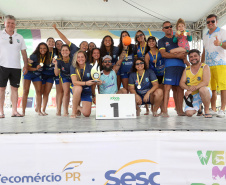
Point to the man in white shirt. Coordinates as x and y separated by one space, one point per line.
11 43
214 54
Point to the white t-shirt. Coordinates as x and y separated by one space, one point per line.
10 53
214 55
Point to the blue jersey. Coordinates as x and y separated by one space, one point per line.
64 67
127 62
159 66
168 44
114 55
109 83
85 77
73 49
141 51
146 83
35 63
49 69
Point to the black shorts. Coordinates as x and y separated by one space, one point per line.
11 74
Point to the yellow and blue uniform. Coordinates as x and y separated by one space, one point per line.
158 67
64 70
127 63
141 51
48 70
193 80
65 67
146 83
85 76
34 76
174 67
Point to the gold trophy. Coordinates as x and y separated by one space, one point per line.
95 72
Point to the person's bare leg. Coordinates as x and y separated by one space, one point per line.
86 108
214 100
26 87
180 95
147 109
223 99
66 97
14 99
125 82
77 91
190 113
59 97
119 81
156 99
122 91
2 100
166 100
48 87
38 91
205 96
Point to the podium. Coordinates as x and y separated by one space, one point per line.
115 106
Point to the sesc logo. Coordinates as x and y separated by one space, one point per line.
139 178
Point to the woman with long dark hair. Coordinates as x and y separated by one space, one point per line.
127 61
140 44
36 61
144 84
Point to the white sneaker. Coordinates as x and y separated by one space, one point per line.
221 114
213 113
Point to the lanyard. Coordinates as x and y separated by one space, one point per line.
142 49
51 57
83 73
155 59
42 59
140 80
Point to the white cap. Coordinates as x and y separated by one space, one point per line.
107 56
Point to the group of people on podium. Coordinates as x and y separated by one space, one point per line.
149 69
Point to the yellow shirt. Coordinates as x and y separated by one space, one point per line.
194 79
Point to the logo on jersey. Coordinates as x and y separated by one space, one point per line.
88 75
112 77
146 79
188 80
198 78
18 40
167 44
62 68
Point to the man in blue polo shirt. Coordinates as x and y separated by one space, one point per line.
174 67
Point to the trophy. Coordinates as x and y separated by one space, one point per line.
95 72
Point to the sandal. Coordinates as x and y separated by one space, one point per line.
2 115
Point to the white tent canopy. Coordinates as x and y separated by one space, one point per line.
142 11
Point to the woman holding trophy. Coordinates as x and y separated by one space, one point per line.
83 85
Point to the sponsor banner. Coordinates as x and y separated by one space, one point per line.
114 158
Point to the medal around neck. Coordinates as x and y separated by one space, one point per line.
139 87
95 72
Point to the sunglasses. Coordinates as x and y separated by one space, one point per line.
167 27
10 40
139 35
107 61
213 21
139 63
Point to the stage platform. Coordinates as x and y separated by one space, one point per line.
32 123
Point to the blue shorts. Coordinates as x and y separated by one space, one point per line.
33 77
66 79
57 80
173 75
85 96
142 97
47 78
125 75
197 101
